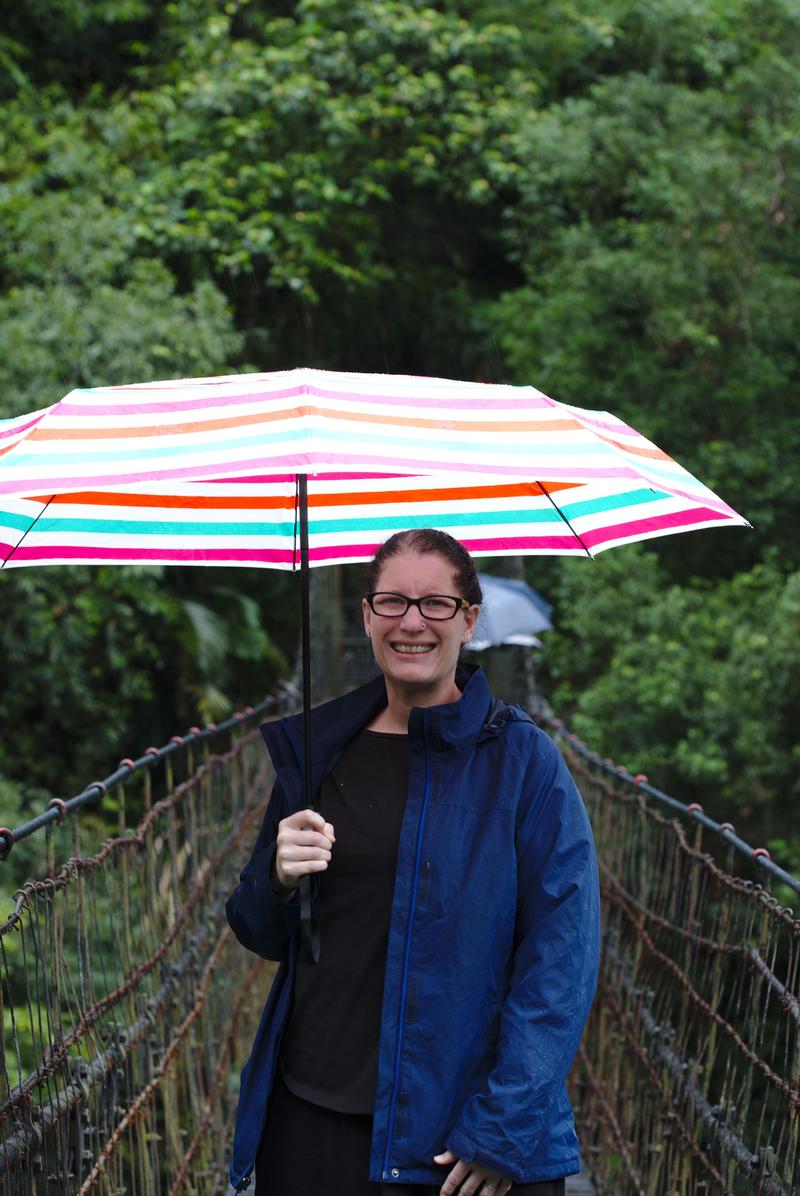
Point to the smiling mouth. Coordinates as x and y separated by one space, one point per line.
413 649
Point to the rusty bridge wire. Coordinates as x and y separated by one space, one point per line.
128 1012
688 1079
758 857
127 1009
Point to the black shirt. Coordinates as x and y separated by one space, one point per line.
330 1045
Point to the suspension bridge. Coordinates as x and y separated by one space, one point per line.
128 1008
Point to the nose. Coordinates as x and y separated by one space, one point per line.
412 620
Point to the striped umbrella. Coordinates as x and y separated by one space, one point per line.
309 467
210 471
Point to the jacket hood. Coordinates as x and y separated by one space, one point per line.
453 726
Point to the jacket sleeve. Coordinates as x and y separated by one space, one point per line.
261 921
553 972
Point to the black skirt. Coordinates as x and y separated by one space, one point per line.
307 1150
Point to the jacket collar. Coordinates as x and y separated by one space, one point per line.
454 726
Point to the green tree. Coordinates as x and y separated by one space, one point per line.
598 197
656 228
693 684
101 662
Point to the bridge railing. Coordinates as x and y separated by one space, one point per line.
127 1008
688 1079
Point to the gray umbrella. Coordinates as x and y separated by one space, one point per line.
512 612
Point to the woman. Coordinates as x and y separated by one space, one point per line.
455 892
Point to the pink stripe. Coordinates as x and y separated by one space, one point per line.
266 556
165 406
343 552
285 556
617 426
290 478
186 555
711 500
308 463
176 555
19 428
638 527
516 543
340 552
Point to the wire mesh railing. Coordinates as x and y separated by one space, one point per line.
688 1078
127 1007
128 1010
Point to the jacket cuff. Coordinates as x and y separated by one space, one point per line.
468 1152
285 896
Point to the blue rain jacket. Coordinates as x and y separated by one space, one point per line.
493 942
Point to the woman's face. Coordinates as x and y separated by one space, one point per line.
418 656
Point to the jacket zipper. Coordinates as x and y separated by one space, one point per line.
407 953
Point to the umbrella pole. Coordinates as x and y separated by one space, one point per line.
305 586
308 923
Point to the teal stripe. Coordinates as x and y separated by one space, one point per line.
611 502
19 522
57 525
145 527
670 473
468 519
256 440
134 527
357 524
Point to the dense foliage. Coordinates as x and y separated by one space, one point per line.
596 196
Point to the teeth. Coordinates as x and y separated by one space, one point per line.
413 649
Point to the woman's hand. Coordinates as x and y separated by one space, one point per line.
304 845
470 1179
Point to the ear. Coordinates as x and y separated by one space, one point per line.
367 613
470 619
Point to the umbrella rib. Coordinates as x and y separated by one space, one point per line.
6 559
561 515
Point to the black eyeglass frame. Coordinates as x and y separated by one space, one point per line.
462 605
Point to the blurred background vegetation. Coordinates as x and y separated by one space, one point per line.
599 197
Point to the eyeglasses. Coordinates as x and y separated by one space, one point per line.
432 606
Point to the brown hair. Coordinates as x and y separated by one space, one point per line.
429 539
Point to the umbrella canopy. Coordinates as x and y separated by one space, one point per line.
204 471
511 613
309 467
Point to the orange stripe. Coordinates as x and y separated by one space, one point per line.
453 494
286 502
639 450
91 498
243 421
